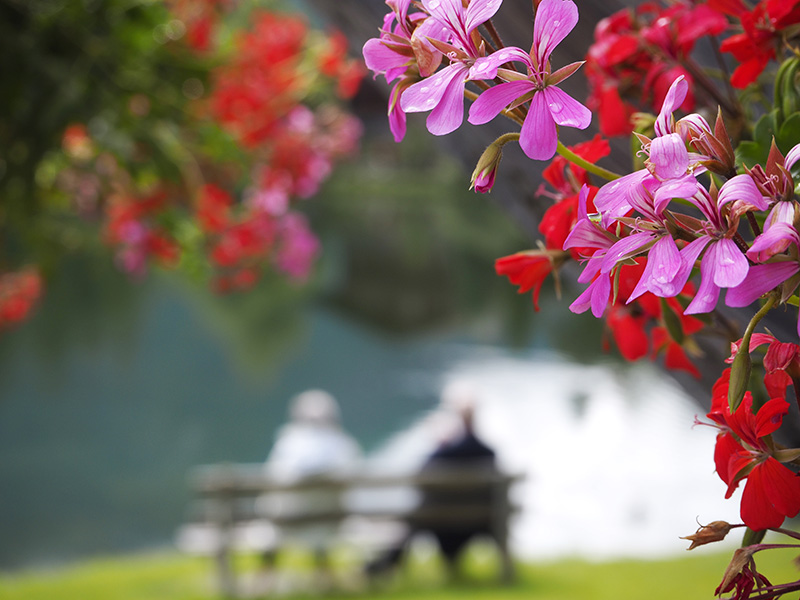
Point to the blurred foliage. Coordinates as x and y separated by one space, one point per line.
175 133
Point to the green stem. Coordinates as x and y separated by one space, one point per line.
585 164
507 137
741 366
768 306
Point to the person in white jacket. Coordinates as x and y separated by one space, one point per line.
312 443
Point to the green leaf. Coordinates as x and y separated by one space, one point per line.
756 151
788 134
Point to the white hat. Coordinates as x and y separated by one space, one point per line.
316 406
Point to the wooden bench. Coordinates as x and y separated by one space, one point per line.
225 499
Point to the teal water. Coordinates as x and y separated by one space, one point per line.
97 433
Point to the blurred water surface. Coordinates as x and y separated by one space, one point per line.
95 443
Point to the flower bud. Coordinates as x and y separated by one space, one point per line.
706 534
486 170
740 376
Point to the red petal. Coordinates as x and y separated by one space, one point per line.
782 486
747 72
779 355
738 463
525 270
615 115
725 449
729 7
629 335
757 509
557 222
677 360
776 383
770 416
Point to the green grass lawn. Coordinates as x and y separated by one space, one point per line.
175 577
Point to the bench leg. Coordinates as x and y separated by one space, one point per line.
508 574
226 578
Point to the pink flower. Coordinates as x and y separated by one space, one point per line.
443 92
723 264
549 105
403 52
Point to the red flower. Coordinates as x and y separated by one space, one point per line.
762 26
637 54
568 178
743 451
781 363
629 333
528 270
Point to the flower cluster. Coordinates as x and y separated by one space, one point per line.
638 53
413 45
255 145
705 220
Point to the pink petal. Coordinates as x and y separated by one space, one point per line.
486 67
480 11
626 248
586 234
674 98
782 212
592 268
760 280
582 302
667 266
663 274
792 157
612 199
539 137
742 188
705 300
689 256
773 241
669 156
426 94
683 187
492 101
379 58
447 11
554 20
397 118
449 113
595 296
600 294
566 111
730 265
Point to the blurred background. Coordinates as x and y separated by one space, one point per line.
126 370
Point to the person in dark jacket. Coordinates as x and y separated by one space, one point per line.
464 450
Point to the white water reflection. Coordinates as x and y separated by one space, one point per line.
613 465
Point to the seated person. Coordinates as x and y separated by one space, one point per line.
464 450
312 443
